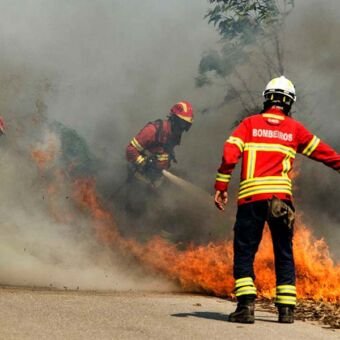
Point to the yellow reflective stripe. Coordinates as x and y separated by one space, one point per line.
162 157
246 291
136 144
266 187
245 281
265 190
270 147
140 159
315 145
251 164
252 170
242 289
243 284
223 177
286 300
272 115
312 145
237 141
268 180
286 165
285 289
286 286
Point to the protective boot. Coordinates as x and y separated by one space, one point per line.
286 314
244 312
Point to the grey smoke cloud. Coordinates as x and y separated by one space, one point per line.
98 67
313 55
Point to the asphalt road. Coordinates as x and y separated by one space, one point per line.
33 314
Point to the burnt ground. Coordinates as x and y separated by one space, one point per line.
325 313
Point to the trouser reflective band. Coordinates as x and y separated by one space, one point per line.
245 286
286 295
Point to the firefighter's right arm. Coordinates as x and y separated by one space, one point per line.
136 150
314 148
232 151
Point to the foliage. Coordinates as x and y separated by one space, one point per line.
244 26
75 153
242 19
241 23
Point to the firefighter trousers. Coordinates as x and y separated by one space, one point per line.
250 221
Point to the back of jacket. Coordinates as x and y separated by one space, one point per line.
268 144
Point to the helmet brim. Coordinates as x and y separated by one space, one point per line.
290 95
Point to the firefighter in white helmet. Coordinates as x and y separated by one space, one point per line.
268 143
280 91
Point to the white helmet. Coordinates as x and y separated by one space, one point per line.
282 86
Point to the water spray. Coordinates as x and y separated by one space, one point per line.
199 193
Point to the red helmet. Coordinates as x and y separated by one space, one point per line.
183 110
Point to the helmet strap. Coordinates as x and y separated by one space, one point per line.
280 100
285 107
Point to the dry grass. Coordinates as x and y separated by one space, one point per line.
308 310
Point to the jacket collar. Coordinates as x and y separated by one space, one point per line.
274 112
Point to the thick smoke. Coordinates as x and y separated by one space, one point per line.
102 69
36 249
105 68
313 57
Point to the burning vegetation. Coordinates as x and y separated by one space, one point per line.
208 268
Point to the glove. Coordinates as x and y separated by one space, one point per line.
143 163
150 163
279 209
151 168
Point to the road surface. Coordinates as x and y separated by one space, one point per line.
38 314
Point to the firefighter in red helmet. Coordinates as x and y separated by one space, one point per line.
152 150
267 143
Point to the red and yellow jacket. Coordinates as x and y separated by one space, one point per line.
268 144
155 139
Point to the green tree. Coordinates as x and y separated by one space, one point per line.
250 30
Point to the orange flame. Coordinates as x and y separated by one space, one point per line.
105 226
318 276
208 268
45 153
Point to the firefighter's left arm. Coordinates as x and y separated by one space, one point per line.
232 151
136 150
314 148
327 155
